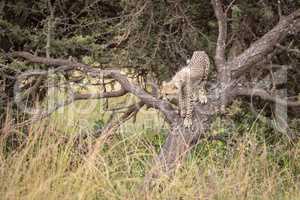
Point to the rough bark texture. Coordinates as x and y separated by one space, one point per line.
181 140
221 92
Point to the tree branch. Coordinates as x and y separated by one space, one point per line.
221 42
266 44
220 60
288 49
113 125
50 25
164 106
48 61
264 95
77 97
111 94
148 99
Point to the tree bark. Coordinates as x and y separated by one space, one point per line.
180 140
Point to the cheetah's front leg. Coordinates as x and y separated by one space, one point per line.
201 94
187 122
181 102
189 109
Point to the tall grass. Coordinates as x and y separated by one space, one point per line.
50 162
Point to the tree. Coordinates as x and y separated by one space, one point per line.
230 83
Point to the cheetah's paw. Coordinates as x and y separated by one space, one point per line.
187 123
202 99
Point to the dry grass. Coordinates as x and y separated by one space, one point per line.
50 163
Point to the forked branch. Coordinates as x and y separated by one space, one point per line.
221 42
266 44
255 92
128 86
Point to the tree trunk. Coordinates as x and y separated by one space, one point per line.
180 139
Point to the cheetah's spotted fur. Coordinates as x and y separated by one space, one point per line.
188 85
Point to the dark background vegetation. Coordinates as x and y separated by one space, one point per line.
151 39
147 37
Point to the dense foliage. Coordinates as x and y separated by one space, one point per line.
147 37
149 40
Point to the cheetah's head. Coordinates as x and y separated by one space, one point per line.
169 90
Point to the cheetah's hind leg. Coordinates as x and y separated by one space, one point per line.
182 99
188 122
201 95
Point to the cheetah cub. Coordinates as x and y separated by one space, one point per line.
188 85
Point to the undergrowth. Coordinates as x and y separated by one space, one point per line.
51 162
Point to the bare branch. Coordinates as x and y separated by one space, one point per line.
264 95
113 125
110 128
148 99
111 94
48 61
77 97
288 49
44 113
221 42
151 101
50 25
230 5
266 44
220 60
279 9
